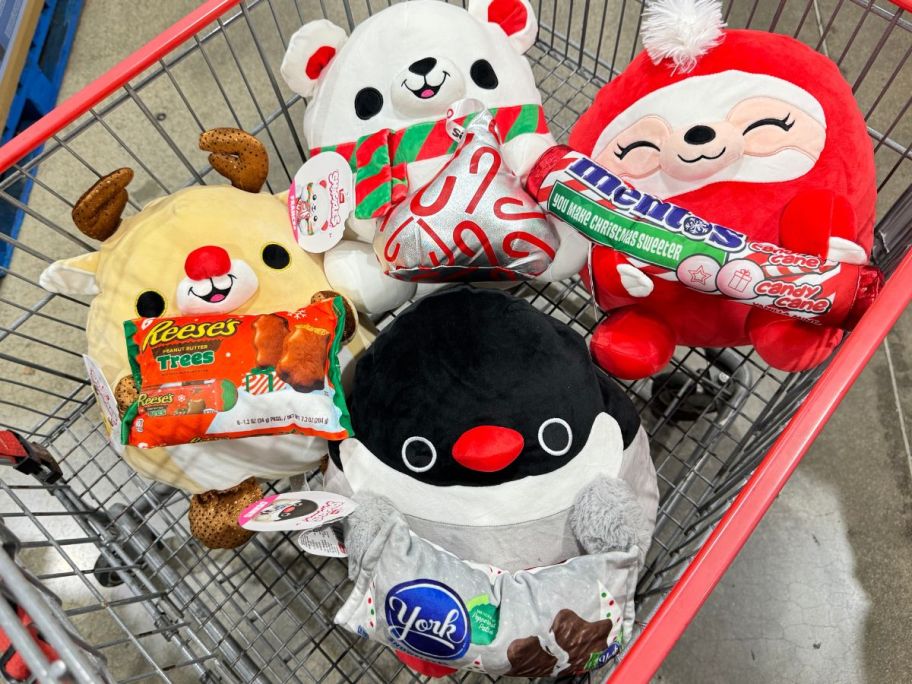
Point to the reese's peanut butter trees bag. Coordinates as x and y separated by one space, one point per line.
228 376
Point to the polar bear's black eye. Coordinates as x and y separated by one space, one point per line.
150 304
483 74
368 103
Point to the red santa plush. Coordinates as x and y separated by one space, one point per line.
749 129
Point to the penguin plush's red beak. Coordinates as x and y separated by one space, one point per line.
487 448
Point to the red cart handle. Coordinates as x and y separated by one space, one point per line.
12 664
28 458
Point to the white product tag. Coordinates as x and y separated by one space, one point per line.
105 397
295 511
326 541
321 197
457 110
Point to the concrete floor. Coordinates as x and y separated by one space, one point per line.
821 592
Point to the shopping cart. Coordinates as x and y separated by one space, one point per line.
103 560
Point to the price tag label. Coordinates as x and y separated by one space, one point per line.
104 395
295 511
321 197
326 541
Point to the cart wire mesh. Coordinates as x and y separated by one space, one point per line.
105 560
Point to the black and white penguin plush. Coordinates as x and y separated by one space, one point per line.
485 423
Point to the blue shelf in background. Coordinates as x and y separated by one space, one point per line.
36 95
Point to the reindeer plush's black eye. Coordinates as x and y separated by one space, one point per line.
150 304
368 103
275 256
483 74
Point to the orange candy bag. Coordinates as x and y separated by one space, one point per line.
228 376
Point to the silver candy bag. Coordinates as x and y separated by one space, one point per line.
474 221
430 605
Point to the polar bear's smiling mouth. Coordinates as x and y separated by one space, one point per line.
426 91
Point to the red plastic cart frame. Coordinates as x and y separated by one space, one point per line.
729 536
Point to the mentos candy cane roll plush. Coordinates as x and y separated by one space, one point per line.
704 256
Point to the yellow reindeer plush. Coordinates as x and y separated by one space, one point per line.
202 250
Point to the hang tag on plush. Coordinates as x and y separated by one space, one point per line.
325 541
321 197
295 511
104 396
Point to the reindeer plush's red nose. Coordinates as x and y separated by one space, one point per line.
207 262
487 448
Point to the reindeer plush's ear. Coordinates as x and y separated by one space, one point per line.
75 276
515 17
309 52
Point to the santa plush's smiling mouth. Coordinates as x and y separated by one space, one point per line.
426 91
216 294
702 156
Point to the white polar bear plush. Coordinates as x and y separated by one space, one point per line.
403 67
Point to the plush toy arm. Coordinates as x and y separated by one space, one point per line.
522 152
840 249
353 271
361 229
570 257
821 223
614 275
607 517
370 523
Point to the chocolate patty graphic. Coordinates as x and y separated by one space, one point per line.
481 419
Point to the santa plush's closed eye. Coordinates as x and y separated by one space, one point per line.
635 151
785 123
624 150
769 125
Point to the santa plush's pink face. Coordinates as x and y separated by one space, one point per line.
706 129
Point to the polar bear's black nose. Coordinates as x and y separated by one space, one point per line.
423 66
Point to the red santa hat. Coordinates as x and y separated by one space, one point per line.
685 41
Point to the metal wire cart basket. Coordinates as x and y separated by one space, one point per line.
103 560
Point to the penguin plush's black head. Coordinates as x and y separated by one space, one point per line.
477 387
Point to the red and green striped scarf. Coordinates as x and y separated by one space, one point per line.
379 159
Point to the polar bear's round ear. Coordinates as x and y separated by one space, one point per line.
515 17
309 52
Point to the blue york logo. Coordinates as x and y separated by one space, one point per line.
608 654
630 201
428 619
599 659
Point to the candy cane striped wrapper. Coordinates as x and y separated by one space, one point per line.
262 383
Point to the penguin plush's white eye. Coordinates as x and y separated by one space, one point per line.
419 454
555 436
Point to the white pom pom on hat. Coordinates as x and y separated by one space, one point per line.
681 31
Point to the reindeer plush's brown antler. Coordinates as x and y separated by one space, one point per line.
97 212
238 156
